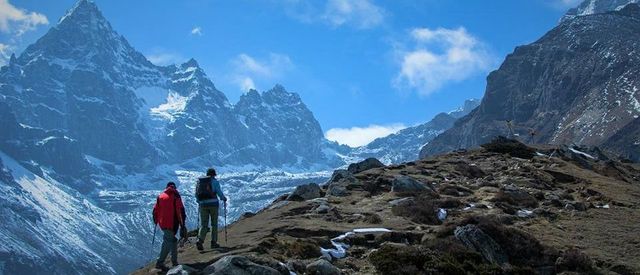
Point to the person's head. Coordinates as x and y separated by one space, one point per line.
211 172
171 184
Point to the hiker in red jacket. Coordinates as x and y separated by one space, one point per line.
169 214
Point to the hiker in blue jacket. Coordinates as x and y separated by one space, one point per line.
207 193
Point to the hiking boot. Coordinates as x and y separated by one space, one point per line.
199 246
161 266
214 245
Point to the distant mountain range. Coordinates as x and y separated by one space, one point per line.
405 145
577 84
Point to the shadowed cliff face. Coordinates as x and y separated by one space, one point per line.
577 84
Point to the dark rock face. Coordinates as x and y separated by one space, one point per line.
577 84
626 142
364 165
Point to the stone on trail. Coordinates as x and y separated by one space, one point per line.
238 265
322 267
402 184
182 270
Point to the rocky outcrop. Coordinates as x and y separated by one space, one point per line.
364 165
305 192
474 238
574 85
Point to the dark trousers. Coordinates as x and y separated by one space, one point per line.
169 244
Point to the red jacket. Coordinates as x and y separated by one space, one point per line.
169 211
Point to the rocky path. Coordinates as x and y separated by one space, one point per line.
505 208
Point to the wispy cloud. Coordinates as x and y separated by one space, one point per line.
163 58
436 57
196 31
360 14
247 70
359 136
18 21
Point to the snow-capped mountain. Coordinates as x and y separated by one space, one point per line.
82 74
91 132
588 7
577 84
405 145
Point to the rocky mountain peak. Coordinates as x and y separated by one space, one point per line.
589 7
279 95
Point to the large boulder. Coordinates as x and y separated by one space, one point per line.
509 146
341 174
305 192
238 265
364 165
406 184
475 239
322 267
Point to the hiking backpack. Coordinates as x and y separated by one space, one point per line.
204 189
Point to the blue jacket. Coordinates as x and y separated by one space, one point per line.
215 186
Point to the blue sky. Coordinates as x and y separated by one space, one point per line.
374 65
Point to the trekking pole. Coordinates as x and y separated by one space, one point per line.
155 227
225 222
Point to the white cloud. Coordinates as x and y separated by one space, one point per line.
247 69
359 136
19 21
196 31
246 84
163 58
361 14
564 4
439 56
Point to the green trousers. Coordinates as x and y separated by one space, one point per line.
169 244
208 213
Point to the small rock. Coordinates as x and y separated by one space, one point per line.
238 265
322 209
322 267
305 192
364 165
399 201
182 270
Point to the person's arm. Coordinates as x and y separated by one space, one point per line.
218 189
182 212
